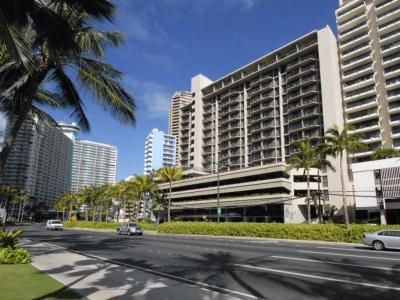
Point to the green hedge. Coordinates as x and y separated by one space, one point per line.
105 225
316 232
9 255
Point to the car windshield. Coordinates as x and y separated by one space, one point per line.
55 222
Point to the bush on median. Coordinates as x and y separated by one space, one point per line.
106 225
316 232
9 255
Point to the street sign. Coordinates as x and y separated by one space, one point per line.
219 211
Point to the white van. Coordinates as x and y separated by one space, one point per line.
54 225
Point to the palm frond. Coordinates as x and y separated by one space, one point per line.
108 94
69 97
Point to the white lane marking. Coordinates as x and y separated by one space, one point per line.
350 255
264 242
334 263
387 287
366 249
209 287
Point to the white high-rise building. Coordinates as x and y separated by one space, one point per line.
159 151
369 47
93 164
39 162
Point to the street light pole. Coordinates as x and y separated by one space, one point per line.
218 208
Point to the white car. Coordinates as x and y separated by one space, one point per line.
383 239
54 225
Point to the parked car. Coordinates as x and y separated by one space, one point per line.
129 229
383 239
54 225
373 221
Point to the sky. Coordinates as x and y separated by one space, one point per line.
167 42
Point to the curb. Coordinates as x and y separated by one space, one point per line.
230 237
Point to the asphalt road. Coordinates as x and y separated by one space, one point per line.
245 269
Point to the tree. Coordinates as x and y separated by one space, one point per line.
145 186
170 174
383 153
341 143
308 158
54 69
69 201
7 194
19 198
158 203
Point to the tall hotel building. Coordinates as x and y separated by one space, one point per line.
246 123
369 47
252 116
93 164
39 162
159 151
179 99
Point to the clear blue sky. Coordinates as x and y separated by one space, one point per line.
170 41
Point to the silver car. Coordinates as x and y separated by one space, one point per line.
383 239
129 229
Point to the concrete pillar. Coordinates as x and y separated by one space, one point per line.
382 213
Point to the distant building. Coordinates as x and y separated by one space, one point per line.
93 164
160 151
39 162
179 100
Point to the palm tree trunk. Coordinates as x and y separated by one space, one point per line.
19 212
346 213
169 201
70 211
22 211
12 210
9 141
308 198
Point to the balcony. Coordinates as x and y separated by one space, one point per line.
358 83
390 26
354 52
298 63
389 37
362 116
357 61
352 33
354 106
362 70
391 60
391 48
393 83
364 92
300 83
352 22
385 5
393 95
344 13
388 16
354 41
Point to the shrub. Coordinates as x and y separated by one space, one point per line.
106 225
9 255
316 232
9 238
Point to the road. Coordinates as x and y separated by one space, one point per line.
243 268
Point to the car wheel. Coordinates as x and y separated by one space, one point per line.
378 245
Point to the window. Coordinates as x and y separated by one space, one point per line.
391 233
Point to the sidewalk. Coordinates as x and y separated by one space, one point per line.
98 278
229 237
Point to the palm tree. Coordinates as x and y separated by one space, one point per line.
15 15
6 194
86 198
342 143
71 201
22 198
308 158
158 203
54 72
383 153
170 174
145 187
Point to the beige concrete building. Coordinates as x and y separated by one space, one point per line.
179 99
369 47
255 194
252 116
